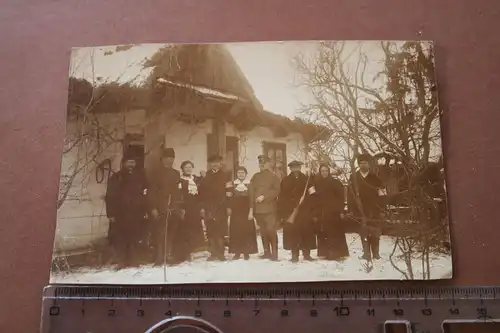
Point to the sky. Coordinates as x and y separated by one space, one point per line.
268 66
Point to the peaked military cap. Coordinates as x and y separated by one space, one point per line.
295 163
263 158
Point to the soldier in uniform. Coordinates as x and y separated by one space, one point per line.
126 208
299 233
162 190
263 192
364 204
213 196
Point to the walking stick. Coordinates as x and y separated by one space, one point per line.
165 242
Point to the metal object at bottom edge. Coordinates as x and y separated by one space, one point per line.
81 309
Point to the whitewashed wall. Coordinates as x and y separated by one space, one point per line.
81 219
189 142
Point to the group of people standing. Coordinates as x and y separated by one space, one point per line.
180 207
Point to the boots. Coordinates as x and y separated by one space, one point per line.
221 248
374 245
307 255
217 250
266 245
366 248
295 255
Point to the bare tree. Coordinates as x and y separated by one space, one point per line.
388 108
90 137
87 138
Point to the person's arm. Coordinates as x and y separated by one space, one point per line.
229 197
153 195
381 191
313 202
145 195
281 201
274 190
251 192
338 197
110 197
202 191
351 196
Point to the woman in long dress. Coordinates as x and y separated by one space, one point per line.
242 234
188 229
330 204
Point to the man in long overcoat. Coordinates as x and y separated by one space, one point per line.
365 203
126 208
162 192
214 201
295 193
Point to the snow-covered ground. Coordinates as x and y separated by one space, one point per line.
258 270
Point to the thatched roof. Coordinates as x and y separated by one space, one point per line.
202 65
106 98
184 72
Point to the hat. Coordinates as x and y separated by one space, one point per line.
295 163
168 152
128 155
363 158
215 158
263 158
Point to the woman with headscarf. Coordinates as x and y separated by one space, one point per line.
242 234
330 204
188 231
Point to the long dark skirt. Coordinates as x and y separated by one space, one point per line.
187 233
332 242
242 233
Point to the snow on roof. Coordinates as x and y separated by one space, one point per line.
203 90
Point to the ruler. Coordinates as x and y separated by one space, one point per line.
81 309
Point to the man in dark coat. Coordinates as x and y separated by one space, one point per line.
364 204
263 192
295 194
162 190
126 207
213 196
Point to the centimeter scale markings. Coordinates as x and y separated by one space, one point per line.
278 309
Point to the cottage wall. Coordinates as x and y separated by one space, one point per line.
81 220
189 142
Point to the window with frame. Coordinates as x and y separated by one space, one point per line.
277 153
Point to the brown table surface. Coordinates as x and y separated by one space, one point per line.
36 38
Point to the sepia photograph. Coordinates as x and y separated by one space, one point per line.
295 161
